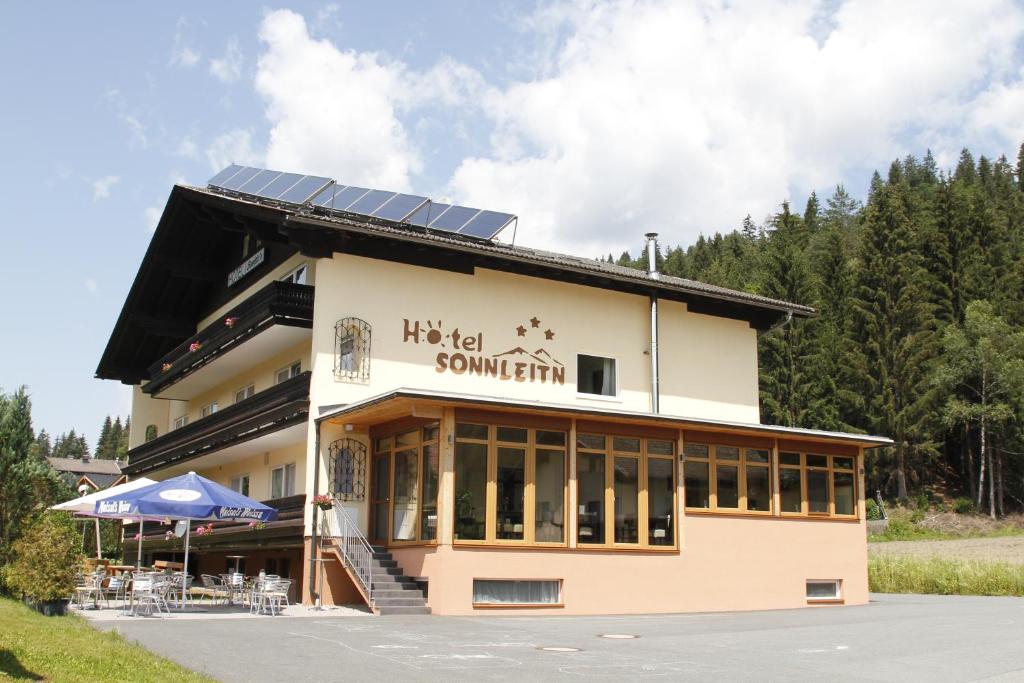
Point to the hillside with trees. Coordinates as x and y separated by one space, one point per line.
920 328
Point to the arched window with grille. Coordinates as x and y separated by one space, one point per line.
346 462
352 350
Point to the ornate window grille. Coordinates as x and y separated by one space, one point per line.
352 350
346 463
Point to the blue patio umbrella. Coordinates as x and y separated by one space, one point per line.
187 497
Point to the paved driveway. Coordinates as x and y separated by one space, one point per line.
896 637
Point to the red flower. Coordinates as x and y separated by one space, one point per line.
166 367
230 322
194 346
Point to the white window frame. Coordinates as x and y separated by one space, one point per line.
599 397
836 597
283 469
179 422
249 390
208 410
294 369
300 273
239 478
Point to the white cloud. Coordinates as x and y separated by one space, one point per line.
181 53
234 146
91 285
101 187
228 69
187 148
151 215
658 115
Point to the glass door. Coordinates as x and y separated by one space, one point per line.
379 497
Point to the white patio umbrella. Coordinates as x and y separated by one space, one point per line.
85 506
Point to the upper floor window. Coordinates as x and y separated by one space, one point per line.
180 421
285 374
282 481
596 375
297 276
240 484
245 392
352 350
208 409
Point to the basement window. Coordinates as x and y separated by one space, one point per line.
824 591
517 593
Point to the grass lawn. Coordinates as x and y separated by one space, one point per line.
38 648
944 576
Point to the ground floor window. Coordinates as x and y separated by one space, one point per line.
509 484
727 478
626 490
517 592
817 484
404 489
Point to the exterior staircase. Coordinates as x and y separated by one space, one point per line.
393 592
372 569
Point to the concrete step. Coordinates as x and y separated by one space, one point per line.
386 611
398 602
391 577
384 563
388 592
394 585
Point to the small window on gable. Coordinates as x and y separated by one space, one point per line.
352 350
595 375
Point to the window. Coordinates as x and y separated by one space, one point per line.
510 484
413 460
297 276
625 490
824 591
346 460
244 393
285 374
179 422
208 409
282 481
595 375
517 592
352 350
727 478
240 484
817 485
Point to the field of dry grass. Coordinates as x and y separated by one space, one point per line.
996 549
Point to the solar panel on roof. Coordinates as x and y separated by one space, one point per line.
400 207
347 197
278 185
325 198
218 180
453 219
370 202
304 190
427 212
487 224
258 181
240 178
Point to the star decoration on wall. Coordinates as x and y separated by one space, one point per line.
535 321
549 335
521 330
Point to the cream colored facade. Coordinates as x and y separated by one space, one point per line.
499 349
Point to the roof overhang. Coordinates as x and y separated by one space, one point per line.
425 402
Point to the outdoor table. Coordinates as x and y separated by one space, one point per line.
238 560
119 569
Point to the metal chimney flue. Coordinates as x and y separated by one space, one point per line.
652 271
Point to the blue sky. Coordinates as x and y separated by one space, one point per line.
595 122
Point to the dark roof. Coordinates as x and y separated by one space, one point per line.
181 278
90 466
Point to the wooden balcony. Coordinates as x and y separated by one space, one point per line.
269 411
279 315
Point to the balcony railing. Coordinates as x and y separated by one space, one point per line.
268 411
279 303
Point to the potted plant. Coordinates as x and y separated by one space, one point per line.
46 559
323 501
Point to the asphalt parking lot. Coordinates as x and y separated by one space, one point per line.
896 637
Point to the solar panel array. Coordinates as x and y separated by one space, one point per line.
326 194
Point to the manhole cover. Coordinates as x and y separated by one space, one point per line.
555 648
618 636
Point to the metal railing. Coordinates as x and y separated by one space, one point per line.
337 526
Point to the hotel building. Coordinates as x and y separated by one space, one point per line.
498 427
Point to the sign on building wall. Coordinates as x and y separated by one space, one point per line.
247 266
524 357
